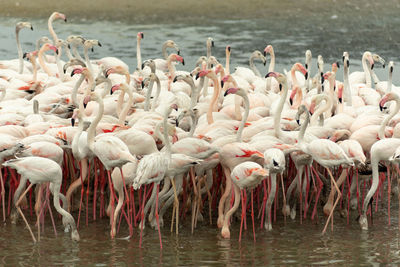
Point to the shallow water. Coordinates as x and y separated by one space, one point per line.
326 27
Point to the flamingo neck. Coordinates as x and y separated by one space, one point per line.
20 59
171 68
244 118
389 83
321 109
42 63
271 68
194 124
294 78
214 99
128 105
381 132
59 65
51 30
75 90
107 88
164 50
34 67
138 55
278 113
165 133
227 63
347 87
303 128
92 129
367 70
87 60
253 66
148 95
68 52
153 106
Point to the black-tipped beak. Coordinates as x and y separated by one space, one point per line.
291 101
306 75
275 163
69 47
142 84
25 54
99 44
183 62
340 100
178 52
280 87
222 84
343 58
142 35
306 65
268 74
311 113
111 91
348 63
57 51
380 107
226 93
197 75
265 54
372 66
175 79
322 79
265 62
298 122
229 48
84 105
142 65
31 28
212 43
72 122
72 73
92 50
383 66
391 69
337 63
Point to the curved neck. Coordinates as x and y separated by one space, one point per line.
278 113
34 68
35 107
68 52
253 67
322 109
194 124
128 105
51 30
75 52
153 106
86 55
271 66
120 102
92 129
171 68
366 71
164 50
59 66
244 118
381 132
303 128
75 91
107 88
293 75
138 55
20 59
42 63
148 95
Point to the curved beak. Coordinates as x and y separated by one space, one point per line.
212 43
73 122
175 79
222 83
99 44
31 28
178 52
197 75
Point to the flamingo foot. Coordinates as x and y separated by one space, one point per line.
75 235
293 214
225 232
363 222
268 226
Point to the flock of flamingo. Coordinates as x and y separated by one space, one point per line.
197 144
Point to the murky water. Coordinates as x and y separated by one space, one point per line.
326 27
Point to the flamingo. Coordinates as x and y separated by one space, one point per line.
18 28
39 170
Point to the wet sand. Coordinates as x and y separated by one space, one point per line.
155 11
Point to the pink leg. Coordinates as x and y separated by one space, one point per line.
3 194
96 182
82 191
142 216
128 203
264 202
245 209
358 194
112 195
307 192
389 191
348 195
252 216
320 185
87 195
157 219
243 214
51 213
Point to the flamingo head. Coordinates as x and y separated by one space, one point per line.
117 69
228 49
76 71
115 88
74 116
301 110
391 65
268 49
210 42
174 106
388 97
47 47
281 78
179 58
301 68
58 15
202 73
140 35
368 55
232 90
292 95
22 24
340 92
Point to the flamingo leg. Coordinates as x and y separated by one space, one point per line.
252 216
128 203
336 201
96 182
142 218
157 219
82 191
3 194
87 195
243 214
389 191
51 213
22 215
176 207
284 197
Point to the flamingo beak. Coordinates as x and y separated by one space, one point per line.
229 48
142 35
73 122
291 101
178 52
197 75
212 43
306 75
31 28
340 100
175 79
